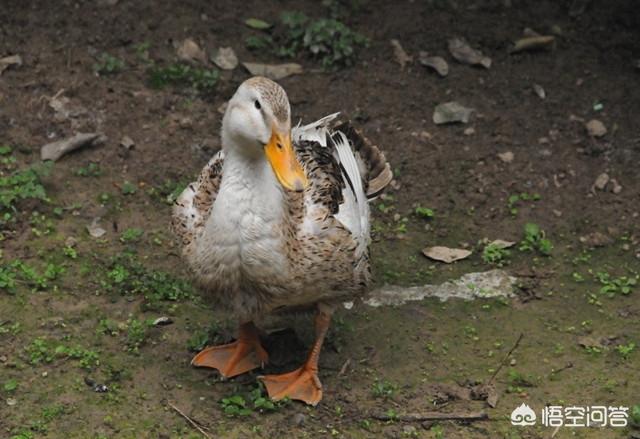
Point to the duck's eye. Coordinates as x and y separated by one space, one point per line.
257 104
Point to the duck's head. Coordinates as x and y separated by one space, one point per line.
257 124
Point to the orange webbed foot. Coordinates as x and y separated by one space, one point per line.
302 384
235 358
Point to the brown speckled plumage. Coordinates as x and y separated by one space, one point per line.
318 254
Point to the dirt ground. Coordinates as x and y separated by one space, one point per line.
58 341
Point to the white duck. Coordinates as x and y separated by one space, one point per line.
279 220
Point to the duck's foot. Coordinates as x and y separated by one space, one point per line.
238 357
302 384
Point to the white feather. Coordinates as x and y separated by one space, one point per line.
315 132
355 208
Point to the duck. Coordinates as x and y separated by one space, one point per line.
279 221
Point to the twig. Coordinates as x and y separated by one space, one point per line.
506 357
432 416
344 367
191 421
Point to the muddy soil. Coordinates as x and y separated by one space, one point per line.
90 322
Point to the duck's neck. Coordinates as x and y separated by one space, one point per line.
249 196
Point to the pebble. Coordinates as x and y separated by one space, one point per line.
595 128
469 131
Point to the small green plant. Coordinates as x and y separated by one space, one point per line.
383 389
515 199
626 350
87 359
201 338
137 332
495 254
330 41
635 415
10 385
108 327
425 212
235 406
108 65
39 351
184 75
70 252
169 191
131 235
21 185
616 285
91 170
126 275
128 188
534 239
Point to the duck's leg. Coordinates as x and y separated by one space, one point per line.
303 384
240 356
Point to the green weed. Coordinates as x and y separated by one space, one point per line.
91 170
626 350
514 200
328 40
616 285
19 186
126 275
131 235
383 389
425 212
108 65
495 254
535 240
185 76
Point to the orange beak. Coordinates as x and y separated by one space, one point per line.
285 164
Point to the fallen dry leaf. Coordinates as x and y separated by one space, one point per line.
13 60
446 254
273 71
506 157
55 150
189 51
400 55
451 112
533 43
225 58
463 53
95 230
437 63
501 243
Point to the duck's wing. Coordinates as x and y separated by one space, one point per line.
192 208
346 171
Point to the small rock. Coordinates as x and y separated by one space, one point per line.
11 402
400 55
71 242
437 63
595 128
469 131
557 213
537 88
189 51
298 419
127 143
451 112
222 108
601 181
512 362
616 189
186 122
225 58
162 321
506 157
